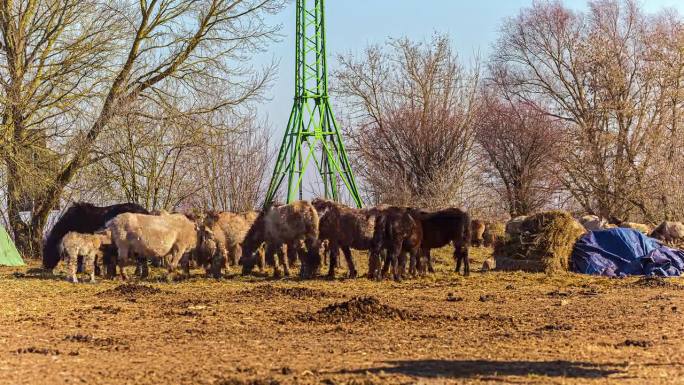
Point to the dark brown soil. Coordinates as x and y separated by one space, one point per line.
359 309
652 281
131 290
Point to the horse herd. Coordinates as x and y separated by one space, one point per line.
308 233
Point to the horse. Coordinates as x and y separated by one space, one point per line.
451 225
84 218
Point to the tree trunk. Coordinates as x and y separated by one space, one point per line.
28 235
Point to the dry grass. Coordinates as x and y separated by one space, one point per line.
497 327
545 244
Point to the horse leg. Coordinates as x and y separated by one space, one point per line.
466 261
224 255
261 258
402 262
458 262
428 255
145 268
89 265
461 256
71 262
374 264
326 253
334 250
121 261
350 262
338 261
110 266
414 264
185 262
176 256
394 258
282 255
234 254
313 257
218 260
386 264
291 255
276 265
417 255
141 268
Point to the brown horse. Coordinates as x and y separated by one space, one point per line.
451 225
344 228
397 233
291 224
221 235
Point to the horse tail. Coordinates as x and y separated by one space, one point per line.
463 236
380 233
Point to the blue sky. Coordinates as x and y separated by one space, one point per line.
354 24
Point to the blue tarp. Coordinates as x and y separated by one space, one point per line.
620 252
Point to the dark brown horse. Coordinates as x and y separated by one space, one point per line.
344 228
451 225
397 233
82 217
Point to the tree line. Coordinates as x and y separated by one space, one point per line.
580 110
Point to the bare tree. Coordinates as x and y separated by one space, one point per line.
233 166
50 54
521 145
113 55
411 125
594 71
148 156
666 60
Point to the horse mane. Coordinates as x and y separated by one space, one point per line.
81 217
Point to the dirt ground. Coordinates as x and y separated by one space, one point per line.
487 328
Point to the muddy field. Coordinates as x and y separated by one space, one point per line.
487 328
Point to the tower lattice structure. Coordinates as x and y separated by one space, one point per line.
312 134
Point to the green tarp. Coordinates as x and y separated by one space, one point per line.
9 256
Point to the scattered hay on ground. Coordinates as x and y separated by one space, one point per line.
296 292
107 309
241 381
544 244
635 343
359 309
556 327
35 350
101 342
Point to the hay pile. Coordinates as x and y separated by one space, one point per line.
544 244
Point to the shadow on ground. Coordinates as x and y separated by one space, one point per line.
484 368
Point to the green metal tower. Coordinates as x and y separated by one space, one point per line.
312 133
